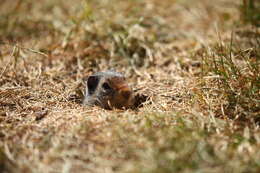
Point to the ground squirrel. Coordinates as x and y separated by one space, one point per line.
108 90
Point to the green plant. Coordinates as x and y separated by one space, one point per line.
250 11
237 79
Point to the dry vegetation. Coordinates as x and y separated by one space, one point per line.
198 61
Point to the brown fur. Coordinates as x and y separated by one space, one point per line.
109 90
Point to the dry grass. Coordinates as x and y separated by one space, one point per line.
197 61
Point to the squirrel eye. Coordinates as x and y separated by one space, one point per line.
106 86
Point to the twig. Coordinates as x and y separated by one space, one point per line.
25 48
1 74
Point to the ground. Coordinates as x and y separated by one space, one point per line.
196 61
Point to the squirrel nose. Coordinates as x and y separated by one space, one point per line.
126 93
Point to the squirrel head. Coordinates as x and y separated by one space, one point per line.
109 90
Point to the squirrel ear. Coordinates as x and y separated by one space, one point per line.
92 83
